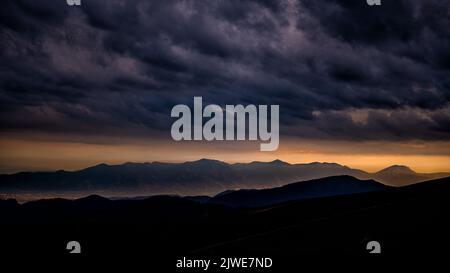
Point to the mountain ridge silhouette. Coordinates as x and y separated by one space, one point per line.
200 177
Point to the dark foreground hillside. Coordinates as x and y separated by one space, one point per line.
406 221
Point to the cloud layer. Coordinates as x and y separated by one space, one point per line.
338 69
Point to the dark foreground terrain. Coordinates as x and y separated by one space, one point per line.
411 220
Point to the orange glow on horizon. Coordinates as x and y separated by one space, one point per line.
22 155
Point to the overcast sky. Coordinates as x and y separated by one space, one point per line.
106 75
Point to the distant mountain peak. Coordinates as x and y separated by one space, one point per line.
93 197
279 162
206 161
265 163
93 200
397 169
96 167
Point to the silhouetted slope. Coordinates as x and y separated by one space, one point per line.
411 220
330 186
402 175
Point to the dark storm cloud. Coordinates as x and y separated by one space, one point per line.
118 67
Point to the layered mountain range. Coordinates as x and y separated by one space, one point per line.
203 176
331 215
